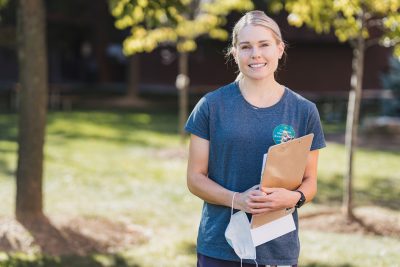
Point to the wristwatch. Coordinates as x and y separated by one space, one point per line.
302 199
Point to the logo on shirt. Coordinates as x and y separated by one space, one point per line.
283 133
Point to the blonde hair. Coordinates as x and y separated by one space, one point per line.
255 18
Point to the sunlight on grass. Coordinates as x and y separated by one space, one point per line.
132 166
330 249
367 163
376 176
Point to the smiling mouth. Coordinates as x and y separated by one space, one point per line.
258 65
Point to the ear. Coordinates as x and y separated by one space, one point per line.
234 54
281 48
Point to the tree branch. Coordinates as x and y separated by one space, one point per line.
374 23
196 9
372 42
392 42
352 43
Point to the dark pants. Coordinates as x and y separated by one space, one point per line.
204 261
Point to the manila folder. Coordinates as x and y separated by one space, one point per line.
284 167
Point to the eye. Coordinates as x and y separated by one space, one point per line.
245 47
264 44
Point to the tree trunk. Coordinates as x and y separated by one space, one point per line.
182 83
353 112
133 76
32 107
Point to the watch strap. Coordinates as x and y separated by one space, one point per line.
302 199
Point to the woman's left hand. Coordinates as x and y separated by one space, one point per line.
280 198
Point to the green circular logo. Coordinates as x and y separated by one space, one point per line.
283 133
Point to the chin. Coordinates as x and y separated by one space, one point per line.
257 77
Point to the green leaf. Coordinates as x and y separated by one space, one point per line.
347 18
154 22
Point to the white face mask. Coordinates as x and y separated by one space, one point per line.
238 235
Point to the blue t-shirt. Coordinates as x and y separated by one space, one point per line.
239 134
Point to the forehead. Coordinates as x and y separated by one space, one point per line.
254 34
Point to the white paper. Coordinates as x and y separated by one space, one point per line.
273 230
263 164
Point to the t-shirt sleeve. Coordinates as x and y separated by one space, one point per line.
198 121
314 126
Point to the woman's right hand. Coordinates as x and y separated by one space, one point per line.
251 201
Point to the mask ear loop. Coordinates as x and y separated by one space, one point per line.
233 198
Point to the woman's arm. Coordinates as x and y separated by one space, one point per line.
251 201
208 190
197 175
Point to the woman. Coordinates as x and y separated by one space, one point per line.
231 128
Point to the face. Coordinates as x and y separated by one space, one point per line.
257 52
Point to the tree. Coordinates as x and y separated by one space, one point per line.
178 22
362 23
32 61
3 3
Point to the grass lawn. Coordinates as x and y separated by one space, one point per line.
131 166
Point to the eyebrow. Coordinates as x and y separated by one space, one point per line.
261 41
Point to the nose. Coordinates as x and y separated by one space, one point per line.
255 53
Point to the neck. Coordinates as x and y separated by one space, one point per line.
260 88
261 93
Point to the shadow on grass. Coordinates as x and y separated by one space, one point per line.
8 133
99 260
330 190
59 246
381 192
55 241
188 247
316 264
378 191
5 168
162 122
8 126
123 123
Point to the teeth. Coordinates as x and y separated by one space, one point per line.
257 65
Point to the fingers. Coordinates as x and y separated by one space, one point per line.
253 187
262 197
255 201
260 207
251 200
269 190
270 200
256 196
